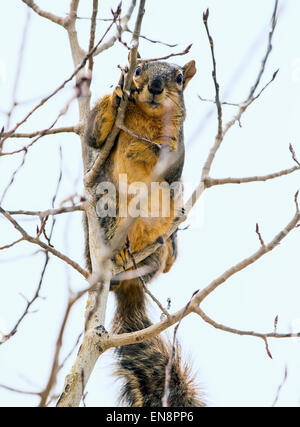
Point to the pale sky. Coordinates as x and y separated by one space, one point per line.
234 370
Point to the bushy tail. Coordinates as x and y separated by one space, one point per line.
142 366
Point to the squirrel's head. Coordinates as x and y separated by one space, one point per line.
158 86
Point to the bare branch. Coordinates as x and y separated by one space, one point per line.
151 40
267 348
43 245
92 34
214 76
70 24
15 390
48 212
62 364
101 342
184 52
153 330
75 129
280 386
29 303
127 30
11 244
224 328
12 178
48 15
55 365
42 133
268 51
165 398
101 267
74 73
210 182
214 101
14 102
207 183
293 154
259 235
250 260
119 121
275 323
142 281
296 200
78 93
121 27
125 129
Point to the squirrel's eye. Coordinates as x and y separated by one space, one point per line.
138 71
179 79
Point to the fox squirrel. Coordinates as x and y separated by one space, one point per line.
154 118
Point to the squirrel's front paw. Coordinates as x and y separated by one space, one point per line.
118 93
121 257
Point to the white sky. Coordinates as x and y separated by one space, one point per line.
235 371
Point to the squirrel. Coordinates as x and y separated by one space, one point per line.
154 119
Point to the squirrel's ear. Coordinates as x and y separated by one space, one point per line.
189 70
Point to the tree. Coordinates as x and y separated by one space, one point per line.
97 284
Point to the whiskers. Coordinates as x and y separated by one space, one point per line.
173 100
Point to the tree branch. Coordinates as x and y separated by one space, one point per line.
48 15
122 26
92 33
43 245
262 335
90 176
48 212
184 52
10 245
199 296
210 182
101 264
101 342
75 129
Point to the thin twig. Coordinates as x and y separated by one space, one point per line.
285 375
120 29
15 390
268 51
92 33
55 364
235 331
259 235
75 129
213 101
43 245
293 154
48 15
90 176
14 102
142 281
184 52
29 303
165 398
25 148
10 245
214 76
62 85
151 40
47 212
210 182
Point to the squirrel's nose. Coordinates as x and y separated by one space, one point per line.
156 86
